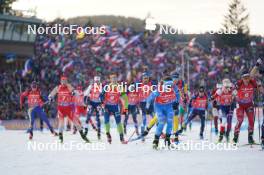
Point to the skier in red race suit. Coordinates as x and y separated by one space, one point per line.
35 107
245 92
64 93
227 104
79 106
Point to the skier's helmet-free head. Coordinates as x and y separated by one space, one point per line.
97 79
218 85
201 89
227 83
245 76
34 85
167 80
175 76
145 77
79 88
63 79
113 78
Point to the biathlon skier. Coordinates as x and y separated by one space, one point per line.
64 93
35 107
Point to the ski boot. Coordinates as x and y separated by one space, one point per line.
162 136
125 130
221 136
83 136
41 128
142 133
176 139
227 137
30 135
190 126
167 140
201 136
216 131
109 138
145 133
61 137
262 143
53 132
68 128
183 128
137 132
99 135
235 139
250 138
122 140
155 143
85 131
74 130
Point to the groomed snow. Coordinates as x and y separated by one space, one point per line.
134 158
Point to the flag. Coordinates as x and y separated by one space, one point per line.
112 38
121 41
58 60
192 42
96 48
159 57
107 57
212 73
47 44
156 38
132 40
27 67
138 50
137 64
55 47
10 57
68 66
100 41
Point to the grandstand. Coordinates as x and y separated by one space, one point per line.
15 42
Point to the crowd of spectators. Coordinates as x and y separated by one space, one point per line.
122 50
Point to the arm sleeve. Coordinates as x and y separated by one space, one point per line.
53 92
22 97
151 97
177 93
87 91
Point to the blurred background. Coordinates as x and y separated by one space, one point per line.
126 47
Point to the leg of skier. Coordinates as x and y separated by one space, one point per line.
134 116
229 124
32 115
107 124
61 125
240 118
44 118
88 118
41 125
119 125
125 120
144 116
169 121
98 123
250 115
76 122
215 115
176 121
202 117
160 126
